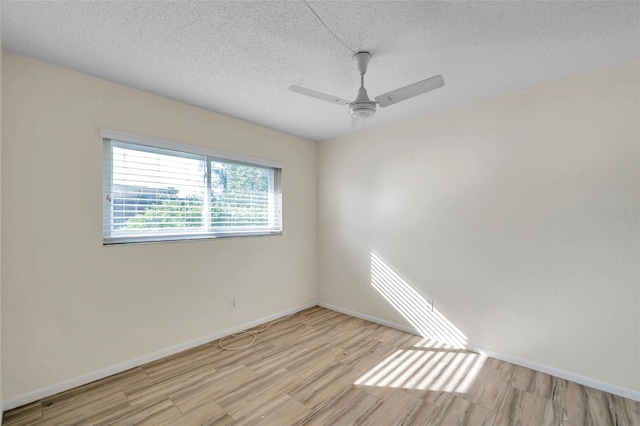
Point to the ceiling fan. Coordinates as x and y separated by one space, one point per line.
363 107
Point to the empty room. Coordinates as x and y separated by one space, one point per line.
320 213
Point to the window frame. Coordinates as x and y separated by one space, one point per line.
186 151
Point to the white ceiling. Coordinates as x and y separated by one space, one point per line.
238 58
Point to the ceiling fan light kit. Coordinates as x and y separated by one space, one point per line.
362 107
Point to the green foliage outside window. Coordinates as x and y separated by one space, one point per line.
239 198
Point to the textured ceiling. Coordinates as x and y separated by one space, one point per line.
239 58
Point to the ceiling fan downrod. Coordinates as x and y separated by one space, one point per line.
363 107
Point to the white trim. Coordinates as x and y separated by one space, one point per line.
175 146
126 365
369 318
114 241
563 374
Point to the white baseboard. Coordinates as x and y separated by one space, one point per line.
369 318
563 374
126 365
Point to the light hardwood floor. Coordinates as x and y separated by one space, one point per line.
320 367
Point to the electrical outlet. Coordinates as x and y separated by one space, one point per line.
232 303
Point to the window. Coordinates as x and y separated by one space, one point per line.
160 191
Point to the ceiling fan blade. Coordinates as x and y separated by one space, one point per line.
406 92
318 95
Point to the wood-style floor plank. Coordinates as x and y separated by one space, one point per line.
459 411
487 388
184 363
278 359
521 407
422 414
158 391
349 407
438 380
499 365
26 415
326 385
208 413
574 402
541 384
157 413
84 396
598 410
624 411
211 387
314 362
321 367
368 355
398 409
256 392
102 410
281 410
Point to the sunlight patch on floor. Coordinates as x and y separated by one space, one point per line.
445 370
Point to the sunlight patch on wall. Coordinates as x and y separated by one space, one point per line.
428 321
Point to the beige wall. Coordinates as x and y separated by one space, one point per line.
73 306
498 211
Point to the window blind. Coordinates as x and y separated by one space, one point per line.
153 193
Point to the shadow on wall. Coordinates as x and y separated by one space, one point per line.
428 321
